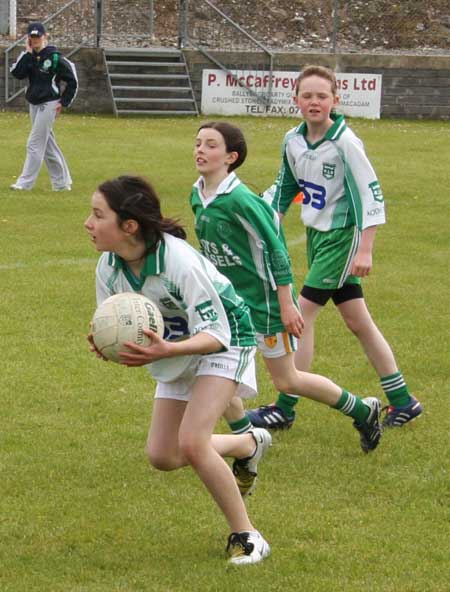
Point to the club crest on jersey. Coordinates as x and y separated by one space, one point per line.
207 311
270 341
376 191
328 170
224 229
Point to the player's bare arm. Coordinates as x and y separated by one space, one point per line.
362 263
290 315
202 343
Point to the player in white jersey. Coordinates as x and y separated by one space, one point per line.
238 233
205 357
342 205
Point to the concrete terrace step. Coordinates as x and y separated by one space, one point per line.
180 89
147 64
161 52
151 76
163 67
152 100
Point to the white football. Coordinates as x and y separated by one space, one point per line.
123 317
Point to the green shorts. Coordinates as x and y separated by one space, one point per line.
330 255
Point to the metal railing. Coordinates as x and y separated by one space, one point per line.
11 84
190 34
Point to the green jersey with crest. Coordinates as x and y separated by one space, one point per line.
242 236
339 186
191 294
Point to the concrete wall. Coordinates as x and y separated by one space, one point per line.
415 87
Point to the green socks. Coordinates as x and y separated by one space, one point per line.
353 406
241 426
395 389
287 403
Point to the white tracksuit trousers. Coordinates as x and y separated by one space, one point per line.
41 146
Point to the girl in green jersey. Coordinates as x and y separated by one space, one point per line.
240 234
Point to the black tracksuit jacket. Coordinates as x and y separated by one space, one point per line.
45 71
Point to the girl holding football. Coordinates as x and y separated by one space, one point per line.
205 358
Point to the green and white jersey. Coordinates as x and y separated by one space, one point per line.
339 186
191 294
243 237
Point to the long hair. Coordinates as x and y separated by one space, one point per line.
134 198
234 140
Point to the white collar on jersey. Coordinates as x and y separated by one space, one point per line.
228 184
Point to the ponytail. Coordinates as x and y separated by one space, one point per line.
134 198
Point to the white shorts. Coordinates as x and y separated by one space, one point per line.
276 346
237 364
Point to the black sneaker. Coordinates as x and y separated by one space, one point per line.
370 431
396 417
247 547
270 417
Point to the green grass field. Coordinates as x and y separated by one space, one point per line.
80 509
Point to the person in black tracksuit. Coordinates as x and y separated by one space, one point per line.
45 69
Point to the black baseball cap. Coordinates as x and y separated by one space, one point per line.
36 30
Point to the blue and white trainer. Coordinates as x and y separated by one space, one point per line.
396 417
270 417
247 547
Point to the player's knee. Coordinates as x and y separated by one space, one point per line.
191 448
351 324
356 326
160 459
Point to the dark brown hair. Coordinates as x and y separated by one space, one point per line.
134 198
234 140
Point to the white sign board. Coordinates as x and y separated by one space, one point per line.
222 93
